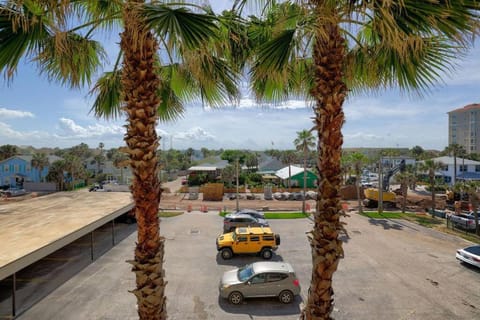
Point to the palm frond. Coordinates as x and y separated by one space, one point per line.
179 26
70 58
21 34
108 93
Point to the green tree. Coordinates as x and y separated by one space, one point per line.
304 142
431 167
232 155
328 49
357 161
39 162
56 173
143 86
288 157
7 151
417 152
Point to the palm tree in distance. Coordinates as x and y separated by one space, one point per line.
358 160
328 49
304 141
288 157
457 151
431 167
143 86
39 162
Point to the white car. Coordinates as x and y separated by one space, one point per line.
470 255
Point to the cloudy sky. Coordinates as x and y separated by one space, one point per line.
42 114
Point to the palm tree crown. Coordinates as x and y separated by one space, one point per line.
326 50
144 86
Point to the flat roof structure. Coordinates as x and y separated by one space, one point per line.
34 228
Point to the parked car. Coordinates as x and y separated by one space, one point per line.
248 240
251 212
464 221
260 279
470 255
13 192
230 222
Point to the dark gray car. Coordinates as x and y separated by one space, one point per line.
260 279
232 221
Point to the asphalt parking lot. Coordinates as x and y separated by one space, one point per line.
391 270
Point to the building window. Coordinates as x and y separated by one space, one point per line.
477 168
444 168
463 168
16 168
5 168
28 168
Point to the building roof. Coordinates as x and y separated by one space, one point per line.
473 106
202 168
28 158
283 173
450 160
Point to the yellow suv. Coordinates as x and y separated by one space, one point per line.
248 240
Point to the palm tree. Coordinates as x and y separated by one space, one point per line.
328 49
56 173
405 179
358 160
39 162
120 160
304 142
143 86
288 157
7 151
456 150
431 167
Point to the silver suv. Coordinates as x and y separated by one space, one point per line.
232 221
260 279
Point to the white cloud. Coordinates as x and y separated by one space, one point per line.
70 129
11 114
195 133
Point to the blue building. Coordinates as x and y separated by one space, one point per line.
16 170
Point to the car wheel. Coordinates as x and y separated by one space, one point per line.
227 253
235 297
285 296
266 254
277 239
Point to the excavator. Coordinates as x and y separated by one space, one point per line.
372 194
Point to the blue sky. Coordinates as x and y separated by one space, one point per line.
42 114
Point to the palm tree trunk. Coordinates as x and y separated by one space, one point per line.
433 195
304 179
140 83
329 92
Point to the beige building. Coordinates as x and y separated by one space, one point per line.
464 127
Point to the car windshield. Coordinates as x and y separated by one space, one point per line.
245 273
475 250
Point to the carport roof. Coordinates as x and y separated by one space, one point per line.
37 227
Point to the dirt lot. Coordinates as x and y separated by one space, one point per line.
172 199
417 200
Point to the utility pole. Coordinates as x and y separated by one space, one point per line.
236 169
380 187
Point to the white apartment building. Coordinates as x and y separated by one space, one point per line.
464 127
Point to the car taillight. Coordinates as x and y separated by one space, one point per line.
476 259
296 283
